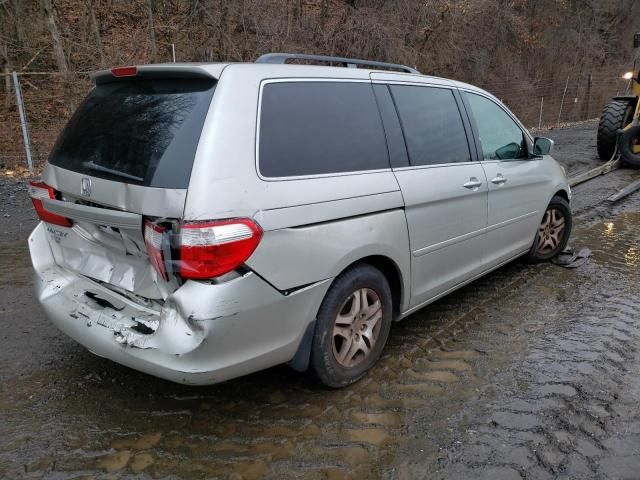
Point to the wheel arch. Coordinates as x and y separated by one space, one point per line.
563 194
392 273
630 98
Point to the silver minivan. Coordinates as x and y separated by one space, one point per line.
205 221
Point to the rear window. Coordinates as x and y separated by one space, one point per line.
143 132
310 128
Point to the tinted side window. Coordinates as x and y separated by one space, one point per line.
432 125
500 137
309 128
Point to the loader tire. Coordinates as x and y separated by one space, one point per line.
628 139
616 115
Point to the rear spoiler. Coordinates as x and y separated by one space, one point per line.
160 70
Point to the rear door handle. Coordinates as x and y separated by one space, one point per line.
499 179
472 183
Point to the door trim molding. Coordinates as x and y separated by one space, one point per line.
415 308
452 241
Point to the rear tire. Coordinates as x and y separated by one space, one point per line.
553 233
616 115
352 326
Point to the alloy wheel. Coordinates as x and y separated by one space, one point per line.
357 327
550 231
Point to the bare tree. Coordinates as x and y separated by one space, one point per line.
96 31
14 9
52 26
223 11
324 13
4 62
152 31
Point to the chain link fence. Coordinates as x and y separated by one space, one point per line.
550 103
49 99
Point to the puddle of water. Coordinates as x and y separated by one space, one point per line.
114 462
141 462
144 442
574 382
614 237
277 423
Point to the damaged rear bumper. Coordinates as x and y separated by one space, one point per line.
203 334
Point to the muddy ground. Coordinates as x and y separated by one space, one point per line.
530 372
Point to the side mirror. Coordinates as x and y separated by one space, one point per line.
542 146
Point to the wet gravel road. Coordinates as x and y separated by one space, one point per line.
530 372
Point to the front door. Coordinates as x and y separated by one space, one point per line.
517 185
444 189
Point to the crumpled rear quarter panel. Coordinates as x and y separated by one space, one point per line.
206 332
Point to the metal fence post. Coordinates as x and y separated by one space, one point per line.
540 119
589 85
23 120
566 85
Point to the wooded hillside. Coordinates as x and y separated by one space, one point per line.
521 50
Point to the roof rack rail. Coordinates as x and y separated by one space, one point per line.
281 58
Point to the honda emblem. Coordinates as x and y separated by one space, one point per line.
85 186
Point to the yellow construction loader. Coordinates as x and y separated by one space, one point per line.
619 128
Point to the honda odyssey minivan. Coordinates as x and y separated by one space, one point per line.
200 222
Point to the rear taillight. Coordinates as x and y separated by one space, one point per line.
38 191
153 239
211 249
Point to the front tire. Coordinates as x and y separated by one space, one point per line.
352 326
553 233
629 141
616 115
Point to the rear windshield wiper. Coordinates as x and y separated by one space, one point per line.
117 173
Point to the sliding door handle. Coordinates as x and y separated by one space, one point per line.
499 179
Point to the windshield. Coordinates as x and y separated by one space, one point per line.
137 131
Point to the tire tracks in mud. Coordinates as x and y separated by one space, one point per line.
565 409
278 424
